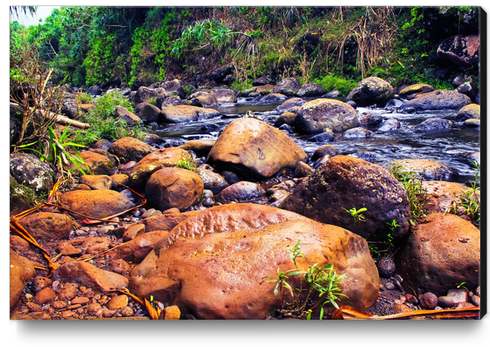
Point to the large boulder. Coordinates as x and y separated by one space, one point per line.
471 111
426 169
131 148
415 89
440 253
174 187
288 104
144 93
343 183
438 100
317 115
21 270
371 91
463 50
288 87
175 87
434 124
213 265
156 160
255 149
311 89
224 96
31 172
127 116
98 163
95 203
219 74
186 113
447 197
242 191
148 113
47 225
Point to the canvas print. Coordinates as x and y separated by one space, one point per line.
246 163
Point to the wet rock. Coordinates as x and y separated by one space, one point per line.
388 125
156 160
471 111
463 50
367 119
205 99
357 133
224 96
96 182
21 270
445 196
370 91
99 164
317 115
311 89
171 313
133 231
344 182
254 149
428 170
185 113
119 179
88 275
40 283
174 187
31 172
441 250
166 221
418 88
212 180
386 267
327 135
131 149
95 203
303 170
175 87
324 150
288 87
273 97
200 147
118 302
247 245
241 192
288 104
472 123
437 100
400 308
429 301
47 225
434 124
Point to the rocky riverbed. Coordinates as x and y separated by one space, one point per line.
196 218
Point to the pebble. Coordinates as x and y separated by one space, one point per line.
40 283
44 296
429 301
475 299
399 308
458 295
386 267
82 300
390 286
118 302
58 305
445 301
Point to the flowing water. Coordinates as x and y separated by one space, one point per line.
452 148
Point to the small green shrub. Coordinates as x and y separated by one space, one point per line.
83 98
187 164
332 82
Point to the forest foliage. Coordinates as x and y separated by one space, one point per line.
333 46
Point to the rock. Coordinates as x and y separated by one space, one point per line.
344 182
463 50
429 301
44 296
130 149
40 282
31 172
400 308
458 295
144 93
174 87
133 231
205 99
174 100
47 225
287 118
371 91
303 170
96 182
445 301
212 181
444 196
171 313
200 147
254 149
118 302
148 113
324 150
69 109
437 100
273 97
311 89
357 133
440 252
174 187
90 276
218 75
386 267
21 270
325 136
434 124
265 89
388 125
317 115
166 221
127 116
224 96
230 260
418 88
426 169
241 192
99 164
95 203
471 111
262 81
288 87
472 123
156 160
94 90
185 113
368 119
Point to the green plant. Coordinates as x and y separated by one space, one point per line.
357 214
187 164
83 98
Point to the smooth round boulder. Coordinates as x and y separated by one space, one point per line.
130 149
174 187
242 191
95 203
288 87
212 180
442 251
426 169
371 91
156 160
416 89
254 149
317 115
311 89
47 225
186 113
437 100
343 183
215 264
434 124
31 172
471 111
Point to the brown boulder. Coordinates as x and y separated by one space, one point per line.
200 147
445 196
156 160
95 203
130 149
370 91
255 149
96 182
98 163
317 115
416 89
149 113
471 111
344 182
186 113
47 225
174 187
224 96
212 180
166 221
288 87
21 270
214 264
242 191
427 169
127 116
90 276
137 249
441 252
